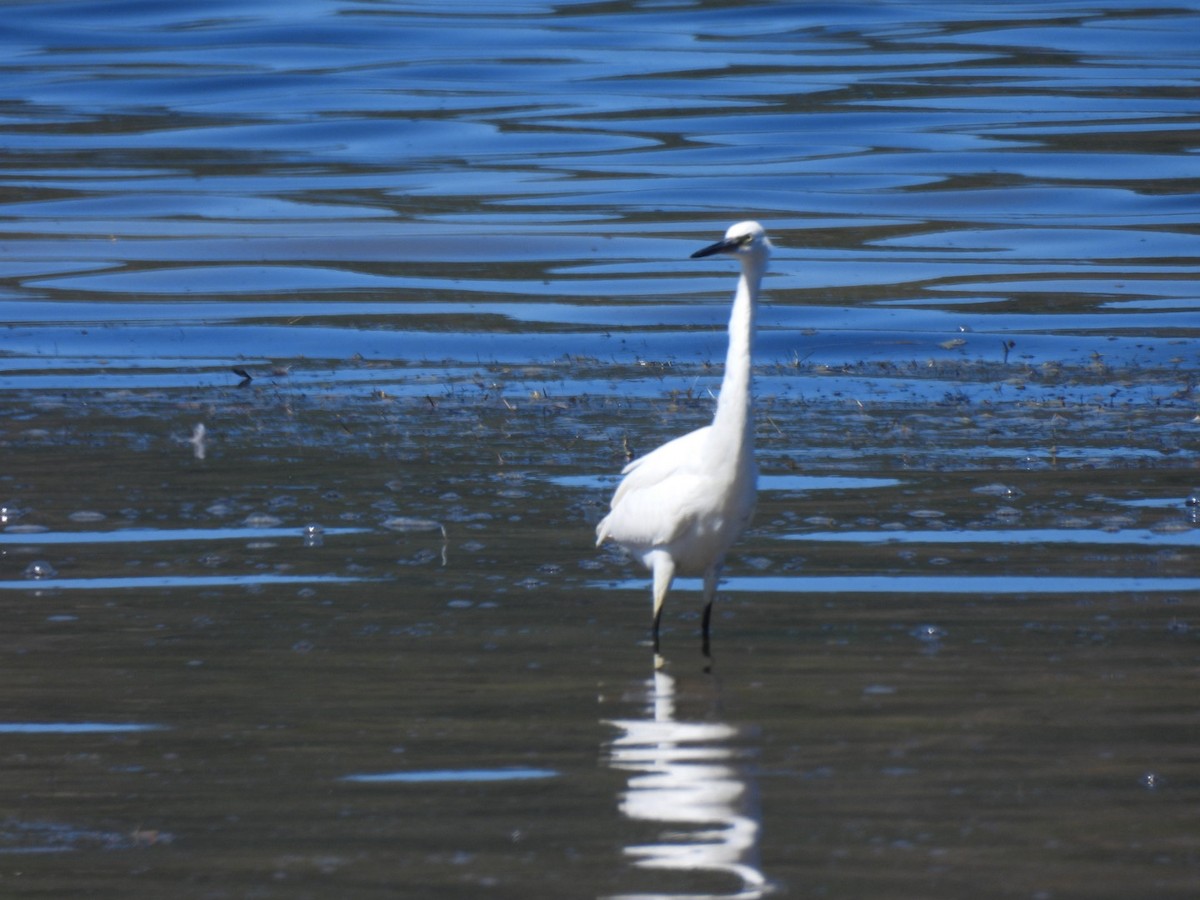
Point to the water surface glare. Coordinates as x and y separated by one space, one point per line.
971 585
170 581
173 535
74 728
1050 536
453 776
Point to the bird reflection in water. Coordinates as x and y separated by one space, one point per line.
686 776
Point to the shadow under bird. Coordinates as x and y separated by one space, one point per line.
680 507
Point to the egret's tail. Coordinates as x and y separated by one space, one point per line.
602 531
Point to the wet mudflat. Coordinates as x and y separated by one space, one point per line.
325 335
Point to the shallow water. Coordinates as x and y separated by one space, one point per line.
421 274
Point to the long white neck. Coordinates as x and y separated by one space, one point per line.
733 424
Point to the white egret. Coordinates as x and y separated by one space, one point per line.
680 507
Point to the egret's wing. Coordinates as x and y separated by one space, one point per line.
646 508
654 514
661 463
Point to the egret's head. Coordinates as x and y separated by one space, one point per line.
742 239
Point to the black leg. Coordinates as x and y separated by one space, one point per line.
710 594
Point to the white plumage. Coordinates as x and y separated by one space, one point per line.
680 507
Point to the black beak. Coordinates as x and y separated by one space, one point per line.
719 247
